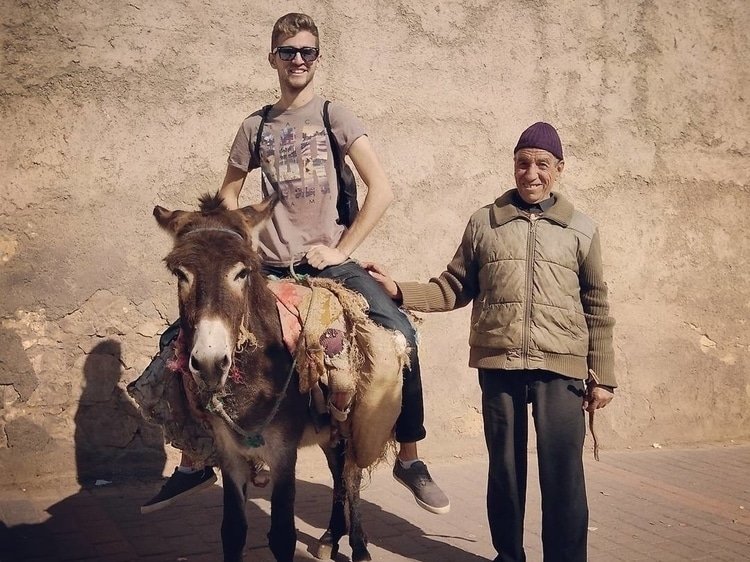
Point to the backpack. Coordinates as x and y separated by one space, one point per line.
346 202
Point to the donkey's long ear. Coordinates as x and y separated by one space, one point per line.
171 221
256 216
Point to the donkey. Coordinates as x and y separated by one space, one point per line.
260 412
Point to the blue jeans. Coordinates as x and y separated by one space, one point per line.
384 312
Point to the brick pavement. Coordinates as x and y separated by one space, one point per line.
656 505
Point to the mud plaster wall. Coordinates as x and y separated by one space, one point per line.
107 109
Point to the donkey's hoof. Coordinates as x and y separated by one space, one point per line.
360 555
325 551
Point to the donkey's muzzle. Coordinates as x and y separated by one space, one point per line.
211 354
210 370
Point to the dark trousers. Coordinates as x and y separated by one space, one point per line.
384 312
560 431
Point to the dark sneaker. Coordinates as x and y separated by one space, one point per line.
180 484
418 481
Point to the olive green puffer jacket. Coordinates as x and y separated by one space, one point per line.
539 297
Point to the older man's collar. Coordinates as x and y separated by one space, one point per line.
537 208
504 210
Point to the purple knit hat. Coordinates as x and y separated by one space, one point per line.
541 135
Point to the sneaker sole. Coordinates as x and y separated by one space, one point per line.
423 505
164 503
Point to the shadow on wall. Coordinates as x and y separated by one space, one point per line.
112 441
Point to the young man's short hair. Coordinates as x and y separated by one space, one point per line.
290 25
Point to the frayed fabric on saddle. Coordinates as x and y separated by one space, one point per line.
164 396
314 328
327 330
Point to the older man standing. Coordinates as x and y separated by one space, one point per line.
540 334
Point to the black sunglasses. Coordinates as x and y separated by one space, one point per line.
287 53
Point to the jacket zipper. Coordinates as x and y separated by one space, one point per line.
530 246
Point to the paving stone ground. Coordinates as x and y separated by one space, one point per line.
655 505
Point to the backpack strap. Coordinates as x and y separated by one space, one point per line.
346 202
335 150
255 151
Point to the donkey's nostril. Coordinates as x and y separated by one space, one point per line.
194 364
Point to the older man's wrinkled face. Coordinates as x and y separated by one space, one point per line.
536 172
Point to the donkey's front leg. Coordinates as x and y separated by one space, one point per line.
282 538
234 524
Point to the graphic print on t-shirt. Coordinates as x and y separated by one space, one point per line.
297 168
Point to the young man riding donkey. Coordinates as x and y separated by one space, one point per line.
306 234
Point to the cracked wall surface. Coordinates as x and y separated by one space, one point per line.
107 109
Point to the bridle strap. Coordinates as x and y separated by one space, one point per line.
255 439
214 229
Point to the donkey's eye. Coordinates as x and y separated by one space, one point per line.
181 277
242 274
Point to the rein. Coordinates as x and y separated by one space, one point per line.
255 439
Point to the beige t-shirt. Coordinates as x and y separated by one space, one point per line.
297 163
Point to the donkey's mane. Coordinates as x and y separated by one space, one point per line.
210 203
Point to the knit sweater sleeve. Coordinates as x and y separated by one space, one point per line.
454 288
596 310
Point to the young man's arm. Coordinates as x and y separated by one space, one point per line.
231 187
378 198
